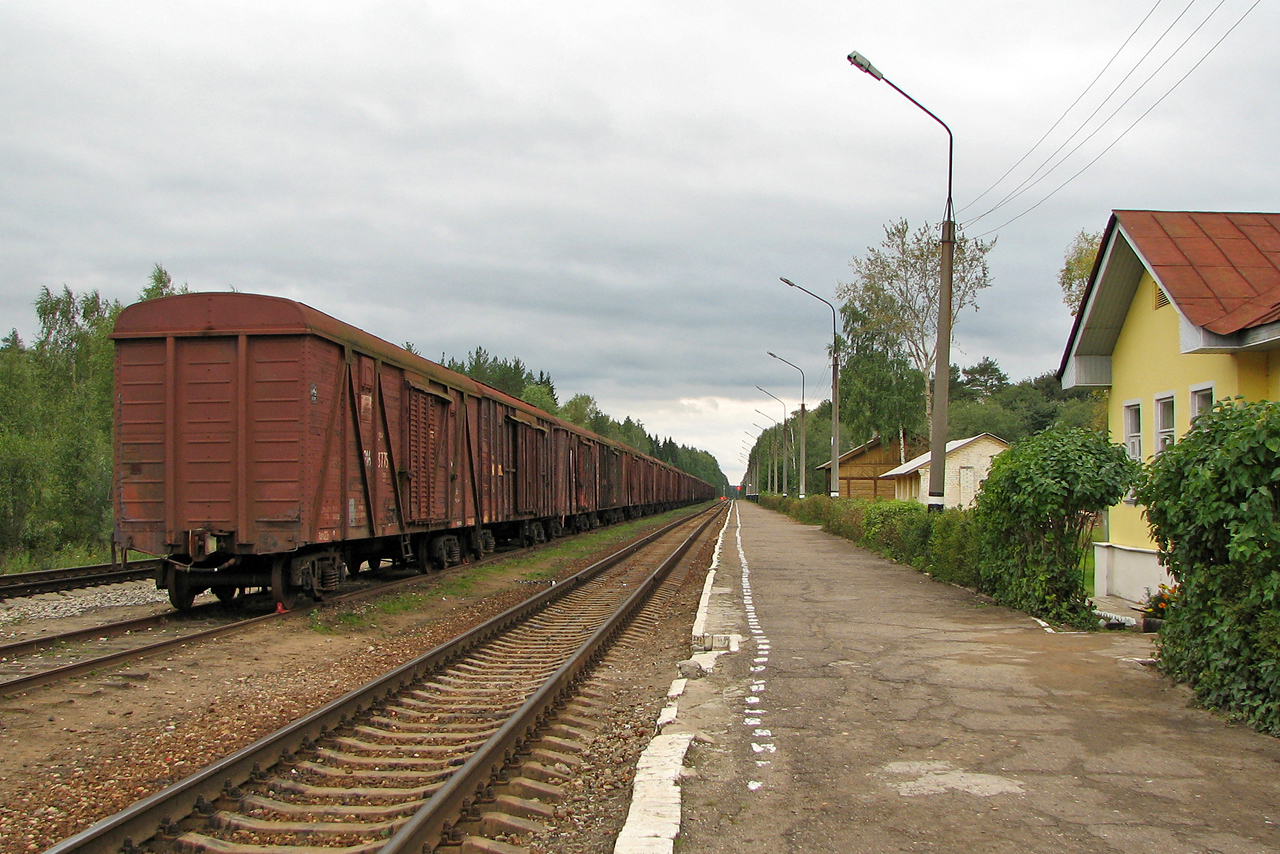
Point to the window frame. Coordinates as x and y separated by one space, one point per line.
1132 428
1165 432
1194 395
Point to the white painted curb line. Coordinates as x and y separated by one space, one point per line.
653 821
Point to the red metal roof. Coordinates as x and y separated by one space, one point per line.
1222 269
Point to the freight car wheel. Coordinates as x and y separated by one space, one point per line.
182 595
285 594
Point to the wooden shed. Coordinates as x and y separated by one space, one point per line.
861 468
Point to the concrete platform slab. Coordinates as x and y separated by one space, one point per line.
872 709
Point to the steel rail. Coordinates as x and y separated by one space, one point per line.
26 646
20 684
17 584
77 668
145 818
432 824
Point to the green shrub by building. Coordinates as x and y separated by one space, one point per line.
1034 514
1213 500
1030 527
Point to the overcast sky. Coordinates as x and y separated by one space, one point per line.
608 191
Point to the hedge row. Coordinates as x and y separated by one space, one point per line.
943 545
1213 501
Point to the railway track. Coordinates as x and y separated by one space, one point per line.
16 584
44 659
30 662
426 754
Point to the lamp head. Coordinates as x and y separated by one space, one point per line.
788 282
860 62
770 352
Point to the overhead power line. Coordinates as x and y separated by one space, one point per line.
1036 177
1132 125
1065 112
1040 172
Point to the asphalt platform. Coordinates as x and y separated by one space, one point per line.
869 708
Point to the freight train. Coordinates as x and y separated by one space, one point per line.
260 443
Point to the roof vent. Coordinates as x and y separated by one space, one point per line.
1162 299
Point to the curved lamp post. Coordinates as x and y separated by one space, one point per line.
803 435
785 481
835 391
942 352
773 465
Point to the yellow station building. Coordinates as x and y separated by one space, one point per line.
1182 309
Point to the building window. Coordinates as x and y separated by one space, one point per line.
1133 430
1201 401
1164 422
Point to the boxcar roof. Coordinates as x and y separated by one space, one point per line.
234 313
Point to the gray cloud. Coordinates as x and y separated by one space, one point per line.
608 192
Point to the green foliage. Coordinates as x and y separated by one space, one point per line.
1077 265
896 286
981 404
55 430
967 418
881 392
813 510
897 529
401 603
978 382
1034 514
953 548
941 544
509 376
846 518
1214 507
541 396
160 284
76 554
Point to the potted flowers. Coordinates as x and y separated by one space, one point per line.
1156 608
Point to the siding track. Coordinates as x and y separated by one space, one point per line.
396 765
16 584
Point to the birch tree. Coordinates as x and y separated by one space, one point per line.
1077 264
896 286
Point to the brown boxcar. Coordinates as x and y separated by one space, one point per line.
261 442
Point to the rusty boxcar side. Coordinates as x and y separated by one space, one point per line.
259 441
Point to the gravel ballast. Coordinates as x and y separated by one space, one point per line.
79 751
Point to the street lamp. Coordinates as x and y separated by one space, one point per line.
942 351
835 391
754 478
773 466
785 481
803 435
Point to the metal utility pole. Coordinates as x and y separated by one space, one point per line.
942 351
773 472
835 391
804 440
786 481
